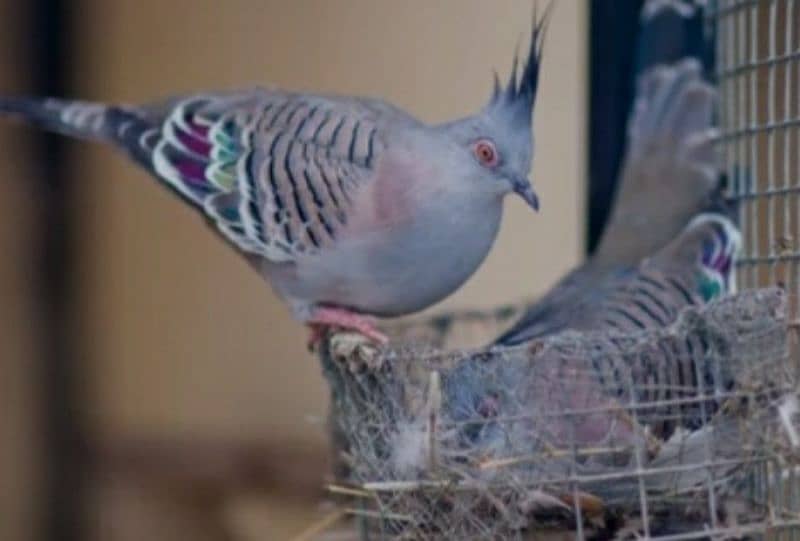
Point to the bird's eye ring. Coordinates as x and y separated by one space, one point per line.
486 153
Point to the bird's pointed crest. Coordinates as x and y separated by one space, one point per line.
498 88
520 95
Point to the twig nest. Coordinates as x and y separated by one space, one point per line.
584 432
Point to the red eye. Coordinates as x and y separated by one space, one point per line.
486 153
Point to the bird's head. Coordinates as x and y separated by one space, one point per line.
499 139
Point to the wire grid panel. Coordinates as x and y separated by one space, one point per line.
758 69
670 433
758 72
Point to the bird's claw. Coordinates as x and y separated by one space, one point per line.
327 320
358 353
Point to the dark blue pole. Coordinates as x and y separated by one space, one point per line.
613 28
65 460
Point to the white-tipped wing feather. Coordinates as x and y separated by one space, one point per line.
276 172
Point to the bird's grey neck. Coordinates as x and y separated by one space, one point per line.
454 125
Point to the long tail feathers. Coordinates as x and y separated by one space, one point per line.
77 119
672 30
122 126
671 170
673 102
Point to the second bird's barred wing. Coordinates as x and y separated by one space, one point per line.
692 270
276 172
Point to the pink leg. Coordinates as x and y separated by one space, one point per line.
340 318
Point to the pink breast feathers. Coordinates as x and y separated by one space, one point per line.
394 192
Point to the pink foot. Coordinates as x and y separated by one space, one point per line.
339 318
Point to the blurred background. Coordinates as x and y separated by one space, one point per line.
151 385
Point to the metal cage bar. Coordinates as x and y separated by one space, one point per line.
758 71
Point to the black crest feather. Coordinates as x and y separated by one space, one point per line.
522 92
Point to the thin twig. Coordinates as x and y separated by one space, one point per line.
347 491
321 525
434 406
377 514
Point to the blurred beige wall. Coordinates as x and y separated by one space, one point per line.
184 337
19 396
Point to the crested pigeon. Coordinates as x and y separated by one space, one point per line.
692 270
670 244
670 174
349 207
574 393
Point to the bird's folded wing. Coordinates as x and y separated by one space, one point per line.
276 172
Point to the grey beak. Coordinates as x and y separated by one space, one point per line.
523 188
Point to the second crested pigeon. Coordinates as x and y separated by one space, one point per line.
670 174
350 207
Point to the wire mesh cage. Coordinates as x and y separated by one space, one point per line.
589 433
680 431
758 71
758 74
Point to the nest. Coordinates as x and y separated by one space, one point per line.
674 431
